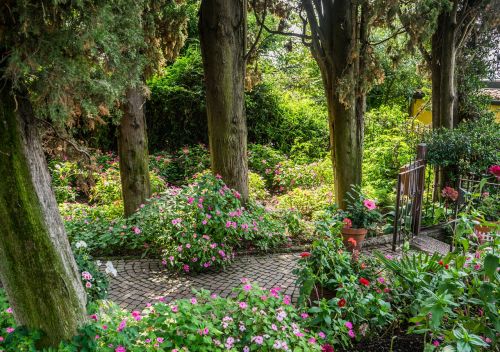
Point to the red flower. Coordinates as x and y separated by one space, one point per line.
342 302
305 254
327 348
347 223
446 266
363 266
364 282
352 241
441 263
450 193
495 170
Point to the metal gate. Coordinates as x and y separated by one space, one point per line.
409 195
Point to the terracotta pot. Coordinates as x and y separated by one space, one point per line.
483 232
357 235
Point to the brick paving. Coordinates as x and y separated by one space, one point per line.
140 281
145 280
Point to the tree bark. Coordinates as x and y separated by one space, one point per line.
338 56
133 153
444 95
222 28
37 267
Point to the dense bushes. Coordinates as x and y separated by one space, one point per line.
176 113
194 227
472 147
255 320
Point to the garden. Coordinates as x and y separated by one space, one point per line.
204 175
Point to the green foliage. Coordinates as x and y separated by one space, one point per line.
358 298
177 104
203 323
180 167
65 177
306 201
390 137
361 211
292 124
257 186
472 147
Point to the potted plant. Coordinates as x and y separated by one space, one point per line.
488 214
361 215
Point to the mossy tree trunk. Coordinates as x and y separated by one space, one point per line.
339 32
133 152
37 267
222 29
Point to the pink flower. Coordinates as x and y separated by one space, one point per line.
435 343
190 200
122 325
495 170
160 339
185 267
347 223
10 330
175 309
351 333
304 315
369 204
243 305
450 193
322 334
247 287
312 340
94 317
88 284
9 310
381 280
287 300
188 245
258 340
120 349
348 325
194 300
136 230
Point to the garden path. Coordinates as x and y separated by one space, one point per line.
141 281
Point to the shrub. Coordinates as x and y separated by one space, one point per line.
179 167
472 147
390 137
306 201
265 160
94 281
254 320
107 189
358 304
66 178
257 186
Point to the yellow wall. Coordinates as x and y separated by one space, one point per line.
424 114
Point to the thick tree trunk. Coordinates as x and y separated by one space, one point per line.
223 40
37 267
444 95
133 153
340 70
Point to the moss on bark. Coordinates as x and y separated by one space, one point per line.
37 267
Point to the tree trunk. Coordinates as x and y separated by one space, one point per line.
443 72
37 267
133 153
222 29
340 69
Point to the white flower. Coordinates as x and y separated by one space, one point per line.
81 244
98 263
110 269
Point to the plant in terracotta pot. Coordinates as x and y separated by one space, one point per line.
361 215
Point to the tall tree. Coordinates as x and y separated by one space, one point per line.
449 23
339 33
67 77
164 29
222 28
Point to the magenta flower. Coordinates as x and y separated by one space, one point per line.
10 330
122 325
369 204
194 300
9 310
348 325
247 287
160 339
351 334
243 305
322 334
185 267
120 349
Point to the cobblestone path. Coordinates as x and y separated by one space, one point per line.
145 280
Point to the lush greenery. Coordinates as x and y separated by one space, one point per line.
255 320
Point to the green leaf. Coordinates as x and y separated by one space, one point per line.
491 263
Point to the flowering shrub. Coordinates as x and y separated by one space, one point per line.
94 281
65 180
257 186
451 300
255 320
359 296
199 226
